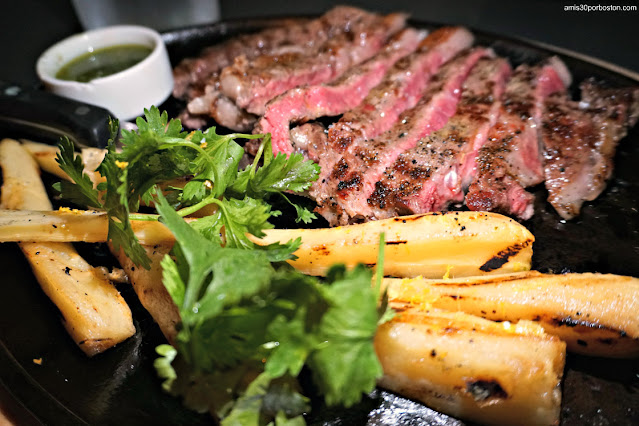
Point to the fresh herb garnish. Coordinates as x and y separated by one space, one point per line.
237 308
159 152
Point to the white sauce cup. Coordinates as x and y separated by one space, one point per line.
125 94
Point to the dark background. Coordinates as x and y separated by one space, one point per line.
28 27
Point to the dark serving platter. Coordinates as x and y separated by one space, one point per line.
120 386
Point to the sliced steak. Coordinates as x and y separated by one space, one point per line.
356 173
580 141
429 177
401 89
288 35
213 104
332 99
310 138
197 79
192 73
251 84
511 160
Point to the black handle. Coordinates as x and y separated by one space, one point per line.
45 116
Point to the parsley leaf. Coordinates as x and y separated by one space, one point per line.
346 365
159 152
80 191
237 307
277 173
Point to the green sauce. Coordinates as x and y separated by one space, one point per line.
103 62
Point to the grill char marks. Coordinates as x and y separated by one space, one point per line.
580 141
365 166
251 84
310 102
428 177
400 89
511 160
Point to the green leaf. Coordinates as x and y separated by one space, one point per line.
172 280
120 233
163 365
294 344
304 215
246 411
81 190
345 366
277 173
213 279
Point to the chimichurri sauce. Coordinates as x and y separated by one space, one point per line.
103 62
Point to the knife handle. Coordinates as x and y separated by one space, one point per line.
47 116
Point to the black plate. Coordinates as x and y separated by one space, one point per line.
120 386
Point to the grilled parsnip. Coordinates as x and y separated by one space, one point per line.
69 225
433 245
150 290
471 368
596 314
45 155
95 314
455 244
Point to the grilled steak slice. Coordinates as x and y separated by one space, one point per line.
192 73
289 35
357 172
197 79
429 177
332 99
580 141
310 138
251 84
511 158
401 89
215 105
617 106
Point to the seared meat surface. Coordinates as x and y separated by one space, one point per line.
580 140
251 84
400 90
429 176
401 123
511 158
357 172
197 79
332 99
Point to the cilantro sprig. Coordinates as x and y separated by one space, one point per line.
160 153
238 308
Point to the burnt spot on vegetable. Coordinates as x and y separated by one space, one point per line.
395 243
322 250
571 322
483 390
501 258
67 270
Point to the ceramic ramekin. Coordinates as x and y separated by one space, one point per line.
127 93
